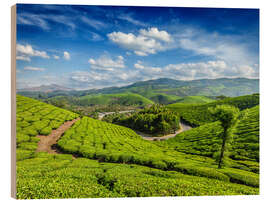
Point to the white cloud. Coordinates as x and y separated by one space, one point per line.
139 65
226 48
95 37
209 69
93 23
56 57
24 52
42 20
34 20
30 68
95 79
131 20
198 70
23 58
147 42
155 33
106 63
66 55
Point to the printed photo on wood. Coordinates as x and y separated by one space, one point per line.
133 101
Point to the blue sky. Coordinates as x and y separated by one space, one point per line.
86 47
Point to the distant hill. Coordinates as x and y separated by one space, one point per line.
122 99
126 99
204 87
164 86
45 88
194 100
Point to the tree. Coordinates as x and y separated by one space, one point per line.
228 116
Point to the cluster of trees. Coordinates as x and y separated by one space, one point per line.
156 119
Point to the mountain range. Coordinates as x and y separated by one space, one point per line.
164 86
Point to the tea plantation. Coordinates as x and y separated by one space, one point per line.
203 140
34 118
61 176
198 114
100 159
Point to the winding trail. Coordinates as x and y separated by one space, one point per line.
183 127
47 142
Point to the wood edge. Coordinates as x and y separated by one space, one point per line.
13 101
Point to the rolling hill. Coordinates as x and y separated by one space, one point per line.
126 99
198 114
204 140
99 159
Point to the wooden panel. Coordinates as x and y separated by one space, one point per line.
13 101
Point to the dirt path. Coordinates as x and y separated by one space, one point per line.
46 142
183 126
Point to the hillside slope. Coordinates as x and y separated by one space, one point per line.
36 118
205 140
198 114
126 99
143 170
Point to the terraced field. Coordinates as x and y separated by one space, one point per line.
106 99
204 140
61 176
198 114
100 159
36 118
247 134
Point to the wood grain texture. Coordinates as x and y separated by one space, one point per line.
13 101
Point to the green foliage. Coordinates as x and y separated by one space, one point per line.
34 118
203 140
228 117
194 100
108 99
201 171
20 137
242 177
46 131
22 154
55 176
226 114
156 119
199 114
162 168
246 139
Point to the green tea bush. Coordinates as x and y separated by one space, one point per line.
46 131
201 171
75 175
242 177
159 164
22 154
198 114
28 146
33 118
20 137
